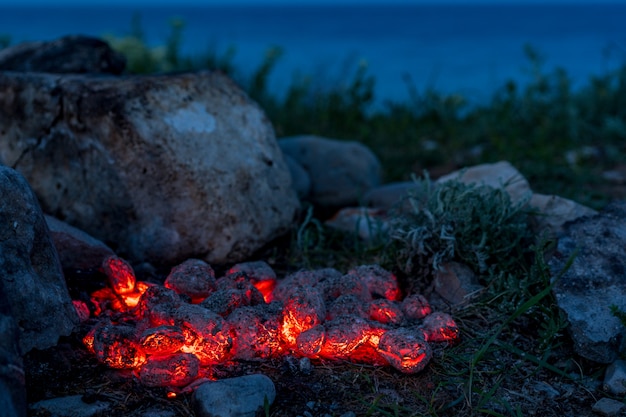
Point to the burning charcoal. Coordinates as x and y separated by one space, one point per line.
260 274
106 299
206 335
194 278
309 343
175 370
405 349
304 310
440 327
158 299
379 282
415 307
241 282
131 299
224 302
306 279
347 284
386 312
256 331
120 274
114 346
82 310
343 336
345 305
102 299
162 340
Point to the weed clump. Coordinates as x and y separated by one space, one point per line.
474 224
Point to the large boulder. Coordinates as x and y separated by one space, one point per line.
31 281
595 281
12 378
160 168
69 54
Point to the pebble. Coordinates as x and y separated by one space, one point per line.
241 397
608 407
615 378
71 406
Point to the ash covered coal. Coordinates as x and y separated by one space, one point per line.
173 335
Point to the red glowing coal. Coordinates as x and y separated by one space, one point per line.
172 334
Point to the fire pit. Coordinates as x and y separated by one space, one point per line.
173 335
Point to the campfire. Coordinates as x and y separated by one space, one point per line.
173 335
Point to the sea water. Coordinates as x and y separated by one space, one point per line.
470 50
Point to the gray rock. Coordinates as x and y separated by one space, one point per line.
234 397
554 212
497 175
608 407
71 406
161 168
78 251
340 171
615 378
300 178
31 276
69 54
595 281
455 282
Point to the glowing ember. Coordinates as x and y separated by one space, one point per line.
120 274
162 340
405 350
194 278
303 311
415 307
173 334
386 312
114 346
256 331
175 370
440 327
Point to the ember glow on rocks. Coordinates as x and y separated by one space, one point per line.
173 334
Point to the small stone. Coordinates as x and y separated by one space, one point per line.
456 283
547 389
78 251
242 396
615 378
367 223
72 406
608 407
305 365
